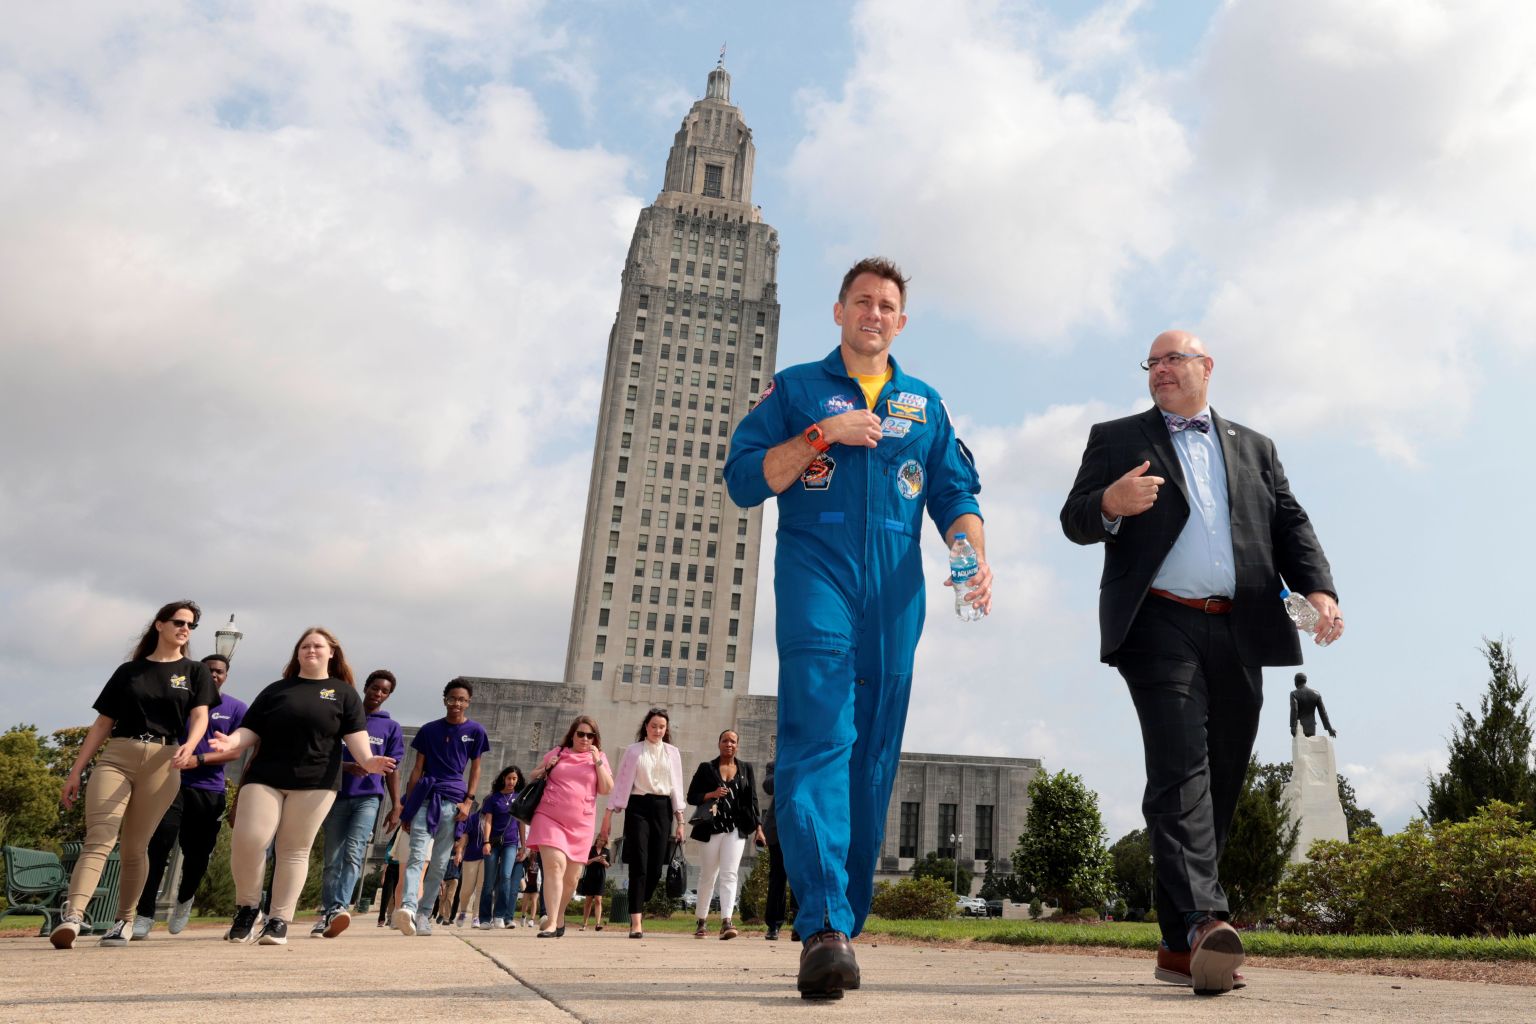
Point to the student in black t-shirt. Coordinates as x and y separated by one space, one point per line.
297 726
154 699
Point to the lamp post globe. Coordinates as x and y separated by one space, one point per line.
226 639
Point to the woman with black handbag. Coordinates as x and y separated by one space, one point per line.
575 773
649 787
725 792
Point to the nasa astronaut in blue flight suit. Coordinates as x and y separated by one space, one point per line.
855 450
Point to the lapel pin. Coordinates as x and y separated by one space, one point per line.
1231 432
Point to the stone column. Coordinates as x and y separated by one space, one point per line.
1313 793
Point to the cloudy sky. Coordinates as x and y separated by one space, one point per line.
305 307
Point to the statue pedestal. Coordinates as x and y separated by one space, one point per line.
1313 793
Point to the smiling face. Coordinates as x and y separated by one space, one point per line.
456 703
870 317
1179 387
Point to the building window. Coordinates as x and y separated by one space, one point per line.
714 175
911 815
645 675
601 645
602 616
597 671
730 680
948 817
698 677
984 832
664 677
628 675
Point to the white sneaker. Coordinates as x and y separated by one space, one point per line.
115 935
459 922
66 931
141 927
405 922
181 913
484 926
423 924
527 922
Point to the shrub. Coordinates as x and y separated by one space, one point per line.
914 898
1476 877
1036 908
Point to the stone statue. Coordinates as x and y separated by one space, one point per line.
1306 706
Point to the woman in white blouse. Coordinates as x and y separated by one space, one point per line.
648 790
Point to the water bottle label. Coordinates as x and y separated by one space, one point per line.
962 573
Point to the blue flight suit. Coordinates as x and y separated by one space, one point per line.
848 583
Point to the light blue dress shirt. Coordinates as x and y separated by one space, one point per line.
1200 563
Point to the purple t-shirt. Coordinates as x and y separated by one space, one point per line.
499 807
473 849
225 717
383 738
446 751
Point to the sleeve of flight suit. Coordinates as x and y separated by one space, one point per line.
763 428
953 480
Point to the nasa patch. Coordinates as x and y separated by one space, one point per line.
818 475
893 427
838 404
909 479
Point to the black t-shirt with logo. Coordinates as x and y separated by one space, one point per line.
301 723
156 697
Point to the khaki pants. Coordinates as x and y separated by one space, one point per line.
286 819
472 872
130 789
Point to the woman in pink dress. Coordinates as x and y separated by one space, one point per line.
575 773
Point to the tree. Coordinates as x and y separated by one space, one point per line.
1061 855
1130 868
943 868
1260 842
29 793
1490 758
994 886
64 746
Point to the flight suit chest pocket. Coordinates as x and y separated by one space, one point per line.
903 466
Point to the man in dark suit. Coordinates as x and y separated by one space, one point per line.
1189 612
1306 706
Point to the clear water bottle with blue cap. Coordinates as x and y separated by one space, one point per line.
963 566
1301 611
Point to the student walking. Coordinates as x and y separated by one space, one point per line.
194 817
594 881
499 837
732 785
649 786
151 715
575 773
298 726
533 895
773 915
352 819
471 872
438 798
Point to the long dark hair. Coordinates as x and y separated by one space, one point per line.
150 638
570 734
501 779
337 667
640 732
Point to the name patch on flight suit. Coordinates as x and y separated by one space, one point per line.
838 404
893 427
907 406
818 475
909 479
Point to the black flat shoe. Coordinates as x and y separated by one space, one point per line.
637 935
560 932
548 935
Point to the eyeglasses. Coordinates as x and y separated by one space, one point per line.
586 735
455 700
1172 360
183 624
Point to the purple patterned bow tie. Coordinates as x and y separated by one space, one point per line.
1178 423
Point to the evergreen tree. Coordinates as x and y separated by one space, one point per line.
1061 855
943 868
1131 868
1490 757
1260 843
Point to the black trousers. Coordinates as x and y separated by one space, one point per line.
193 821
1198 706
386 897
773 914
647 827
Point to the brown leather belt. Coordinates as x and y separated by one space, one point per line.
1209 605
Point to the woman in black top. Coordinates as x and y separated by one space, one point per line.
297 726
151 715
732 785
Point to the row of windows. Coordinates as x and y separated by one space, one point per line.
911 829
637 593
681 223
663 675
706 601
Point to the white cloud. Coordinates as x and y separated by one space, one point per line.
293 295
1394 786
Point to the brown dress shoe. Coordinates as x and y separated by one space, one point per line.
1173 968
827 967
1215 954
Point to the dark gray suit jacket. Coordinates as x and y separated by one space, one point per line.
1272 538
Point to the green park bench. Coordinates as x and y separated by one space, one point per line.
35 883
102 910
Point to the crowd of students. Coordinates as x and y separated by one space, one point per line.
320 759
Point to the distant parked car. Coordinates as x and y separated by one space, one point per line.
994 908
691 900
971 906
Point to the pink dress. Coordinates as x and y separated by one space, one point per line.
567 813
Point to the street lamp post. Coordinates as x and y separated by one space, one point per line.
227 639
955 839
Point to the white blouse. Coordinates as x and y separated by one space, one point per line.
653 776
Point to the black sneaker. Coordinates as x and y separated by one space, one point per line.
275 933
244 924
321 924
117 935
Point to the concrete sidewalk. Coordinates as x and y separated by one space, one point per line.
371 975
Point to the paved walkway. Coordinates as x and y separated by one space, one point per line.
370 975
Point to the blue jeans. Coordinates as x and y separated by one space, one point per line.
498 889
433 861
348 827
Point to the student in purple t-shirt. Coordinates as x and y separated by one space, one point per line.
438 798
194 818
351 821
498 833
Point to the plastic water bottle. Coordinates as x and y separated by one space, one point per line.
1300 610
963 566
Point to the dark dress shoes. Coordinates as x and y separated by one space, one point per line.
1174 969
1215 954
827 967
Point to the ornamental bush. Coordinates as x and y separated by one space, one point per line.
1475 877
913 899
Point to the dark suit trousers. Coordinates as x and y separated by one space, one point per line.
773 914
1198 705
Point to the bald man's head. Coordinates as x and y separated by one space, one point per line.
1179 372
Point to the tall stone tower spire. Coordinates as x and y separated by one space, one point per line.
667 581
